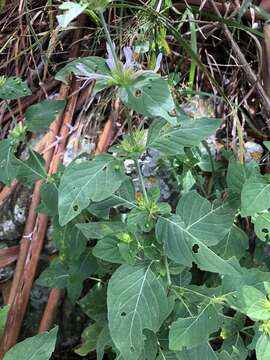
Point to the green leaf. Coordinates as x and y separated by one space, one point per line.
209 222
262 347
39 347
251 302
244 7
193 331
125 196
107 249
13 88
89 339
88 181
32 169
71 11
262 226
8 162
79 270
136 300
171 140
94 304
103 340
3 317
69 240
101 229
41 115
92 64
70 276
200 352
49 199
238 173
255 195
55 275
235 244
196 225
149 95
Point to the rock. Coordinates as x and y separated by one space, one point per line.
252 151
77 146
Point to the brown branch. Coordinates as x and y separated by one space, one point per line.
250 74
227 9
22 281
8 255
109 129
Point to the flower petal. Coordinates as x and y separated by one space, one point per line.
158 62
128 55
91 75
110 61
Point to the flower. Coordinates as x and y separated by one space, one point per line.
122 73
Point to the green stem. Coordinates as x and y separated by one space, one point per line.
109 39
168 271
142 182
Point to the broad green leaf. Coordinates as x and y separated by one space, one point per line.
79 270
94 304
87 181
55 275
125 196
70 276
3 318
41 115
262 226
193 331
13 88
196 225
184 248
32 169
71 11
171 140
89 339
149 95
101 229
8 162
49 199
235 244
251 302
136 300
92 64
255 195
103 340
107 249
69 240
238 173
262 347
201 352
234 348
209 222
39 347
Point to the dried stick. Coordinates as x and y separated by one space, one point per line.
8 255
103 144
109 129
250 75
16 300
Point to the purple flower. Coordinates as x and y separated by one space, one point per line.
122 73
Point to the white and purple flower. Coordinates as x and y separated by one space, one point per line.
122 73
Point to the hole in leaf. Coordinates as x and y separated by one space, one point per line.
123 314
172 112
75 207
132 349
264 230
137 93
195 248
